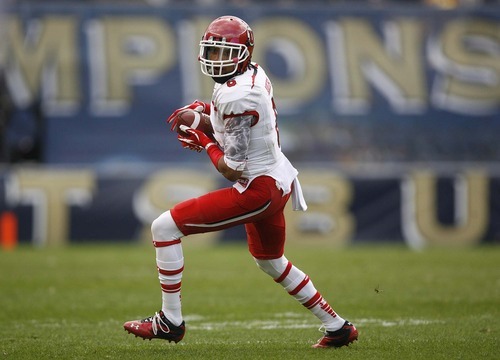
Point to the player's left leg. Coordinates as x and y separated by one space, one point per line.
338 332
266 240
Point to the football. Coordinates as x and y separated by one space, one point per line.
194 120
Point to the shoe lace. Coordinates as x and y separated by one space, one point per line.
157 323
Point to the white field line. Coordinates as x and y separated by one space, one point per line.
278 321
292 321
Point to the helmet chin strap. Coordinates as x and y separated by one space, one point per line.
222 80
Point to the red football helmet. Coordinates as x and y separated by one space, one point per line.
226 47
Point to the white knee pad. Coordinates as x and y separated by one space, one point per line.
163 228
274 267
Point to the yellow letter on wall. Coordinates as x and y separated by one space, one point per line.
124 51
47 60
420 221
166 188
327 219
51 192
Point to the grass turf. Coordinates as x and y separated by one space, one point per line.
70 303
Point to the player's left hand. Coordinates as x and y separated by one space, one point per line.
189 144
196 139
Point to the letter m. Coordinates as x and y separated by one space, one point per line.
42 62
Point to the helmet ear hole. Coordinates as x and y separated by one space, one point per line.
250 38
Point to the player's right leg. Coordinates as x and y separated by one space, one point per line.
214 211
211 212
166 324
156 326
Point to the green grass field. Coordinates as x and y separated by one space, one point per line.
70 303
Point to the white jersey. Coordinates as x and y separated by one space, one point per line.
243 116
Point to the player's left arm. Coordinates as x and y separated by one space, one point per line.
236 144
232 161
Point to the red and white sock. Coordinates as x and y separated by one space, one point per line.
170 264
300 286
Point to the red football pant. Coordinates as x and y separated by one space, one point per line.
260 208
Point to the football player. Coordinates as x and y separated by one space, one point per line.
247 151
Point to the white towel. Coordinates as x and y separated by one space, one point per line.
298 201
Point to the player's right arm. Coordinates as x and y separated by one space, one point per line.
196 105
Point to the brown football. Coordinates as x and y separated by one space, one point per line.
194 120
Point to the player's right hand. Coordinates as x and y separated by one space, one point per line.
196 105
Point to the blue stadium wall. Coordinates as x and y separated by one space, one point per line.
416 206
391 115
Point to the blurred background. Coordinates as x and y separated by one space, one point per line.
389 109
